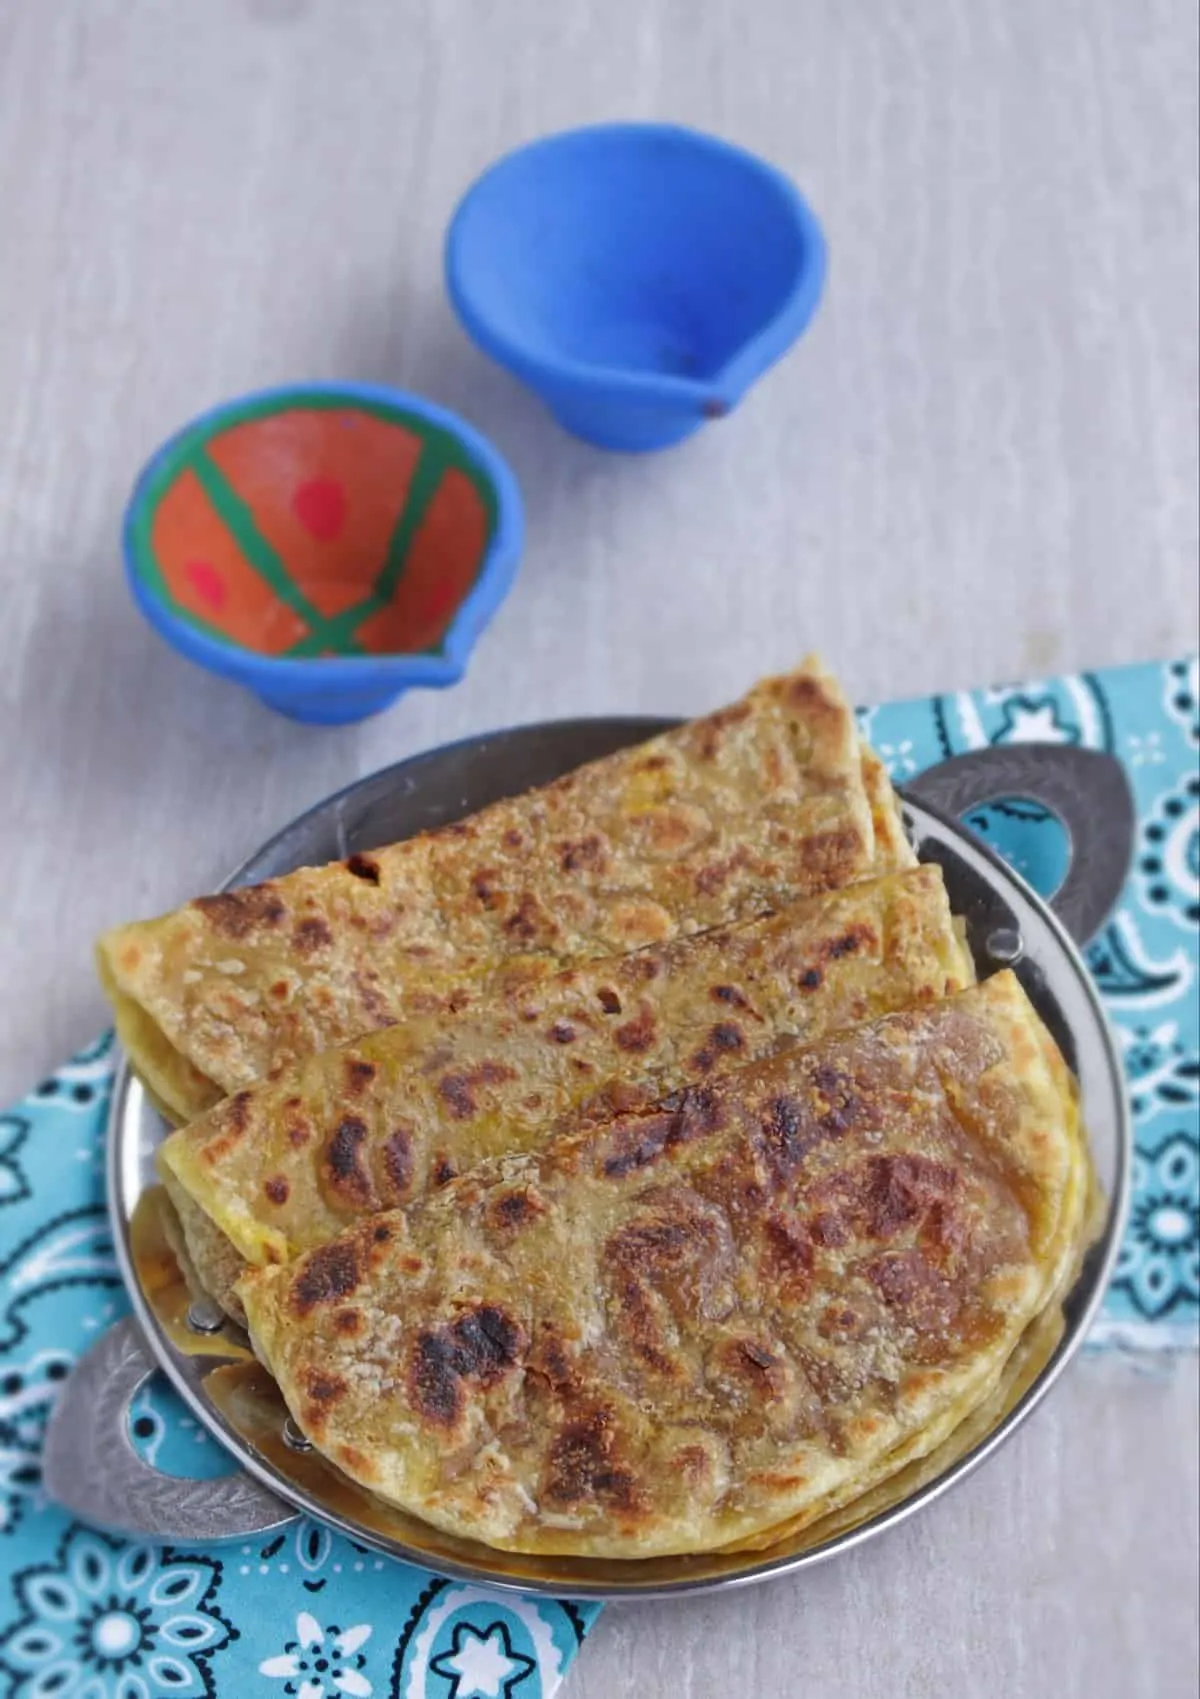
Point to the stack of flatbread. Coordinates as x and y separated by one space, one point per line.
633 1168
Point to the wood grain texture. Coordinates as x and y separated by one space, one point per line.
981 463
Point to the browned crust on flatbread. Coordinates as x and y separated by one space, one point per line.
733 814
285 1165
699 1321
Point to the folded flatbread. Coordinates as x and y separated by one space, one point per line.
704 1323
284 1165
726 817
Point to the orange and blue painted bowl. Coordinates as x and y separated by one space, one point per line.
328 546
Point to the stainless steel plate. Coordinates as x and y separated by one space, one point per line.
89 1461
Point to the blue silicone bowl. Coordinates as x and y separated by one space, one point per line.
328 546
638 277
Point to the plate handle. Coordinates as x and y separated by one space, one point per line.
1086 789
89 1464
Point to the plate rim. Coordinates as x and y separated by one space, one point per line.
1099 1263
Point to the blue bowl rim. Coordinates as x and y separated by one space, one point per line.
329 674
567 375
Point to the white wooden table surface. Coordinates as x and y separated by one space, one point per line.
981 463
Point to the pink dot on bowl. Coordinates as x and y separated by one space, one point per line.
320 506
207 582
440 599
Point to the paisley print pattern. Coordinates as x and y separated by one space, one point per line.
306 1615
1144 961
135 1621
1168 855
311 1615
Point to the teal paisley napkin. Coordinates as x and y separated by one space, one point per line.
1146 959
310 1615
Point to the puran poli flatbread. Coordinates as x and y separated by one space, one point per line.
742 811
282 1166
892 848
706 1323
